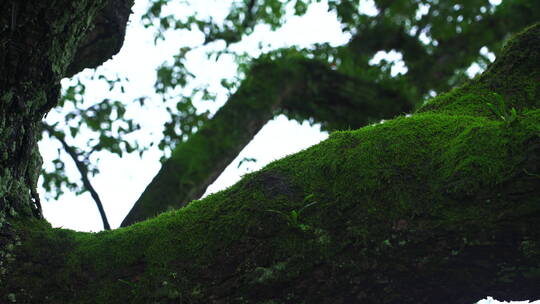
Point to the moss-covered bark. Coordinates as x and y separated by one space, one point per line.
303 89
348 95
196 163
38 42
439 207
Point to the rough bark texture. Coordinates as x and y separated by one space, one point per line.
104 39
38 43
440 207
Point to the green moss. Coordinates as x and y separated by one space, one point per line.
194 164
70 29
513 76
398 206
357 179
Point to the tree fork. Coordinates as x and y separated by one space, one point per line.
439 207
283 85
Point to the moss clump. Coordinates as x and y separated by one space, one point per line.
514 76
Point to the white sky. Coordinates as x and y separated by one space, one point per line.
122 180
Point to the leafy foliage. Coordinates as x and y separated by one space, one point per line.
103 126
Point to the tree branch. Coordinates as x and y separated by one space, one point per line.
196 163
286 85
440 207
105 38
82 170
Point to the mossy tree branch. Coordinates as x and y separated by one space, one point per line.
301 88
439 207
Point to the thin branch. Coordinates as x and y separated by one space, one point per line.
249 14
82 170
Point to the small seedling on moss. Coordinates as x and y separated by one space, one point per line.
531 174
500 110
293 217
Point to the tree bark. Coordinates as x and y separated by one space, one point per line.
440 207
38 42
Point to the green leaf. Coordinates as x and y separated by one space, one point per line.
73 131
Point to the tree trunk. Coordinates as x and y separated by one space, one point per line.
440 207
39 40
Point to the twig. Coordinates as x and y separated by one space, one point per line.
83 171
14 12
